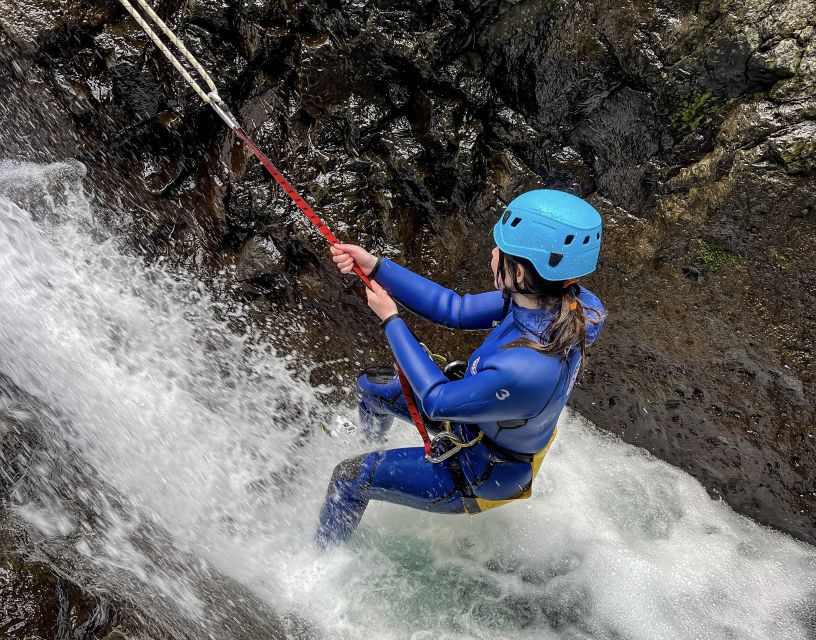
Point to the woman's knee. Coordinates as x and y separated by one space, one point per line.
347 470
374 379
353 475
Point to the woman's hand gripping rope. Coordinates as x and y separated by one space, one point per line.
350 257
380 302
345 256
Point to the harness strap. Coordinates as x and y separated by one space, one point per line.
471 503
480 436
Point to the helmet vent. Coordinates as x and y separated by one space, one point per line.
515 222
569 239
586 240
555 258
506 216
598 236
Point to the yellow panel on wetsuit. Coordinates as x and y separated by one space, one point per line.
538 458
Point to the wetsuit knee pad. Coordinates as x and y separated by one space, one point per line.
347 470
378 397
354 474
382 374
346 498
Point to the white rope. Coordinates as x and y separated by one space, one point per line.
169 54
212 98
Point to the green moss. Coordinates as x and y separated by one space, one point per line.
799 150
693 111
715 257
782 257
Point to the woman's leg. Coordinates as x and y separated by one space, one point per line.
401 476
379 400
474 480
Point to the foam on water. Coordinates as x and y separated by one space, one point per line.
206 432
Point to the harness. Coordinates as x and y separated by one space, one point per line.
450 445
471 503
446 446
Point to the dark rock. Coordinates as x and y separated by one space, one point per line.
38 603
693 273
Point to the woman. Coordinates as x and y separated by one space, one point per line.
503 411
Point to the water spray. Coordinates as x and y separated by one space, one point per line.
212 98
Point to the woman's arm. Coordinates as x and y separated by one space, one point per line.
501 390
422 296
437 303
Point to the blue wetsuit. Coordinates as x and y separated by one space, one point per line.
514 396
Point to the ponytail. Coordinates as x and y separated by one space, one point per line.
567 328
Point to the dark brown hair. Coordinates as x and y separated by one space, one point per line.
567 328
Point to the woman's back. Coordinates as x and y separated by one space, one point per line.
532 388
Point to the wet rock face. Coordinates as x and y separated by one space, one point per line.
57 577
37 601
40 604
408 124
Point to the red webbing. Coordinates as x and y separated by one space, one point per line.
408 394
332 239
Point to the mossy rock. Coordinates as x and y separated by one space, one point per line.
715 258
798 151
783 258
694 111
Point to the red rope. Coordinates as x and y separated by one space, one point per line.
407 393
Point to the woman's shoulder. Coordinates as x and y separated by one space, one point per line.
524 362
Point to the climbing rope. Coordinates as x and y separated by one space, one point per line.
214 100
167 53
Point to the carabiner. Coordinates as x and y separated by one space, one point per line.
448 454
223 111
449 438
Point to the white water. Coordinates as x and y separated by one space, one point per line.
208 434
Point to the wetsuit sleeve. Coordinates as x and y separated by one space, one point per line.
500 391
437 303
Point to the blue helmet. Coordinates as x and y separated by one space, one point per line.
558 232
